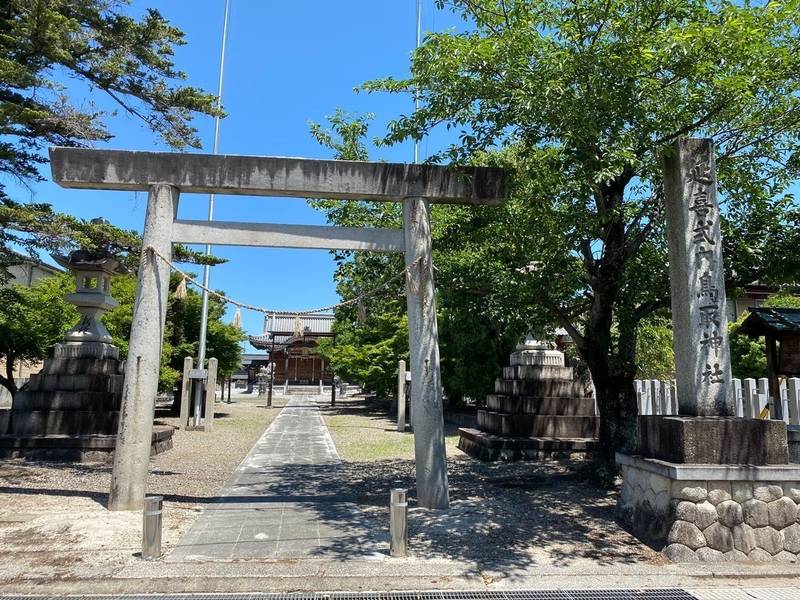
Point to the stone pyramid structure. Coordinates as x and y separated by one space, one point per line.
539 410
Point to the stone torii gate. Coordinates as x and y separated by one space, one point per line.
166 175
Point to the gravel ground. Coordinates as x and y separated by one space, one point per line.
53 520
503 515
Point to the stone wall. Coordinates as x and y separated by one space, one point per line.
713 520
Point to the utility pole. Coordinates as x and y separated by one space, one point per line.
201 353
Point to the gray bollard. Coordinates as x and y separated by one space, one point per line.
151 527
398 522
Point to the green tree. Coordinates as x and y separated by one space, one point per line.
181 331
44 42
580 100
654 355
31 321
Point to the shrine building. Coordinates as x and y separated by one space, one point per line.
291 343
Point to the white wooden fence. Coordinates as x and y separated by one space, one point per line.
752 396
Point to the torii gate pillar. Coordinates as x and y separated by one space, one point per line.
423 339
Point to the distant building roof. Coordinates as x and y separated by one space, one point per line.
772 321
284 327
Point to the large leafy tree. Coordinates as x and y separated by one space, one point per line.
580 99
44 42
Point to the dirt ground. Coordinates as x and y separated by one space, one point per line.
53 520
54 525
502 515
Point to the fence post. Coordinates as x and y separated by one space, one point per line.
783 394
655 392
638 388
211 394
186 392
401 396
764 401
793 393
666 397
674 397
750 398
736 390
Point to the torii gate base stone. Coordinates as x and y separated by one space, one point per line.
166 175
706 486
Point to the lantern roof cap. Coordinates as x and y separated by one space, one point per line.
86 260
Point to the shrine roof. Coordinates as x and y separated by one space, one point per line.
774 322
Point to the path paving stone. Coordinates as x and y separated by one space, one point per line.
286 499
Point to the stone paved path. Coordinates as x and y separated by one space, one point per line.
286 500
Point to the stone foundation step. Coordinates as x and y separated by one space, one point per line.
537 387
80 383
538 372
27 401
555 426
540 406
82 366
489 447
75 448
64 422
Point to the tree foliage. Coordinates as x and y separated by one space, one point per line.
32 319
579 101
181 331
46 42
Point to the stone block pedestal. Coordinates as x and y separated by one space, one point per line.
713 440
712 513
70 409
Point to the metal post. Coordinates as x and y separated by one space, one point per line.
201 354
271 372
333 391
401 396
398 522
151 527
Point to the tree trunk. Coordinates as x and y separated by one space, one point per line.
7 380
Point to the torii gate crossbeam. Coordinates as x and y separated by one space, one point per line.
166 175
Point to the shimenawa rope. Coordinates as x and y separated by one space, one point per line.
271 311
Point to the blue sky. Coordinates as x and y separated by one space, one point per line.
287 63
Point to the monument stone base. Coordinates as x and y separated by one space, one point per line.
712 513
713 440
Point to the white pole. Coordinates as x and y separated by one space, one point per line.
416 90
201 354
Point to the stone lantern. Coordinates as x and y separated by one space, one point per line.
70 409
92 296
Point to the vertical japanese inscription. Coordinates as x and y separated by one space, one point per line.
702 355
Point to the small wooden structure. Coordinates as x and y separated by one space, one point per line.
780 327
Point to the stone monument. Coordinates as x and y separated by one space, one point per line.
706 486
539 410
70 409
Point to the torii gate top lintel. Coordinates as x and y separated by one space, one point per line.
275 176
